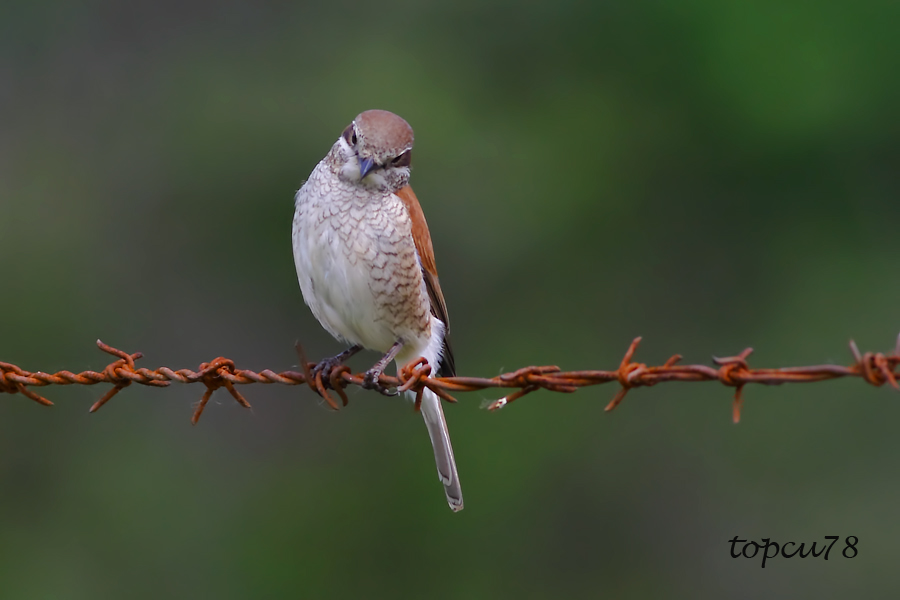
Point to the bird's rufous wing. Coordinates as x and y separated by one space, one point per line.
422 239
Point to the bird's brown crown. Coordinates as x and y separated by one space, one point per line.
383 134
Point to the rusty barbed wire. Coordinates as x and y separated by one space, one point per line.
875 368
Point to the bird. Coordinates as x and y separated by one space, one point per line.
366 265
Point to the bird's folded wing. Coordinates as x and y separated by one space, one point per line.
422 239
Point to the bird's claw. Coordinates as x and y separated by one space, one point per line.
370 382
326 367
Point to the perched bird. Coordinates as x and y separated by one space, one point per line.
366 265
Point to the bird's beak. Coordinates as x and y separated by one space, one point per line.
365 165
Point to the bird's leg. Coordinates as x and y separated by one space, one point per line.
370 381
326 365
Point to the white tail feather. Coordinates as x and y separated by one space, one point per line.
434 414
443 450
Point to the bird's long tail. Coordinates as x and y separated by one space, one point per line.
443 451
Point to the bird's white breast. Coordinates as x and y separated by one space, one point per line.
357 264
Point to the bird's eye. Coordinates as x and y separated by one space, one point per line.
349 135
403 160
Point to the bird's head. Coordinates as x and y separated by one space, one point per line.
375 151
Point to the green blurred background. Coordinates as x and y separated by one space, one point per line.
705 174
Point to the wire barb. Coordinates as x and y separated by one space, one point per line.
875 368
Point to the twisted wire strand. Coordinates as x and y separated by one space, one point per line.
875 368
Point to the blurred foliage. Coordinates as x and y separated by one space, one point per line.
709 175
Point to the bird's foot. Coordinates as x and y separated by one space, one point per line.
370 382
326 367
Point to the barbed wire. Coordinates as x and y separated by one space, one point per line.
874 368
